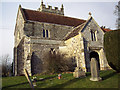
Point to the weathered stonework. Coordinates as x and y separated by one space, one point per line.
76 42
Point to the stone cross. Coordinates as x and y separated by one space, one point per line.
94 70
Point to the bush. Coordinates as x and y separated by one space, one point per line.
112 49
57 63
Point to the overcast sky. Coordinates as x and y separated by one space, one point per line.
102 12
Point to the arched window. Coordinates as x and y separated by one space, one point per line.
93 35
46 33
43 33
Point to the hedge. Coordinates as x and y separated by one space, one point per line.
112 48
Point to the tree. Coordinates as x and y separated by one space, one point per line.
117 13
5 64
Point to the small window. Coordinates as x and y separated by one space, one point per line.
43 33
46 33
93 36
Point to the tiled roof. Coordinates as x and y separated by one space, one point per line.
106 29
51 18
74 32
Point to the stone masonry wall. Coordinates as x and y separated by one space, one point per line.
75 48
27 54
20 58
40 49
18 34
55 31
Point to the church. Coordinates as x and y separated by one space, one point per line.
48 29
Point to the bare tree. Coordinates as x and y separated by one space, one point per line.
5 64
117 13
57 63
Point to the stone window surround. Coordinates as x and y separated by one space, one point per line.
93 35
46 33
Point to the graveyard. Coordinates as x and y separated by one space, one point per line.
100 74
109 80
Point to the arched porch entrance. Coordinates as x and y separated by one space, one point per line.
94 54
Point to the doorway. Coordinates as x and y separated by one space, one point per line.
94 54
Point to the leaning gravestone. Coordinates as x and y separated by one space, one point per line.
94 70
28 78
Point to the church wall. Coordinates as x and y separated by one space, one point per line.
23 61
40 48
55 31
18 34
27 54
20 58
75 49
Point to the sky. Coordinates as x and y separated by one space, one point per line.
102 12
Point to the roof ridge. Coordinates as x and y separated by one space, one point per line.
34 15
55 14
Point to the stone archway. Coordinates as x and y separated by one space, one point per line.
94 54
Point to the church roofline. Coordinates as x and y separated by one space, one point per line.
74 32
33 15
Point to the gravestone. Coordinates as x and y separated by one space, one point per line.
78 73
28 78
94 70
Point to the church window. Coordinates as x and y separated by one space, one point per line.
93 36
43 33
46 33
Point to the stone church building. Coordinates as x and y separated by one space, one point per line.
47 29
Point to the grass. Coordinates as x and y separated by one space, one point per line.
110 80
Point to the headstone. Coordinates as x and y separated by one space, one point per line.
28 78
78 73
94 70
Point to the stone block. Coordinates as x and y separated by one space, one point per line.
78 73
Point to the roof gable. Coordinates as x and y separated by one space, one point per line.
51 18
91 19
74 32
106 29
81 28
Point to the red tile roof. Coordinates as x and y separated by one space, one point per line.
74 32
51 18
106 29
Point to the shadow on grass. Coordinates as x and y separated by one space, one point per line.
108 75
47 78
66 83
104 77
14 85
27 82
88 74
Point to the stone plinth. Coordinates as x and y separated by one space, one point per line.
78 73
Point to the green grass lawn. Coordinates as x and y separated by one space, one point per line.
110 80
